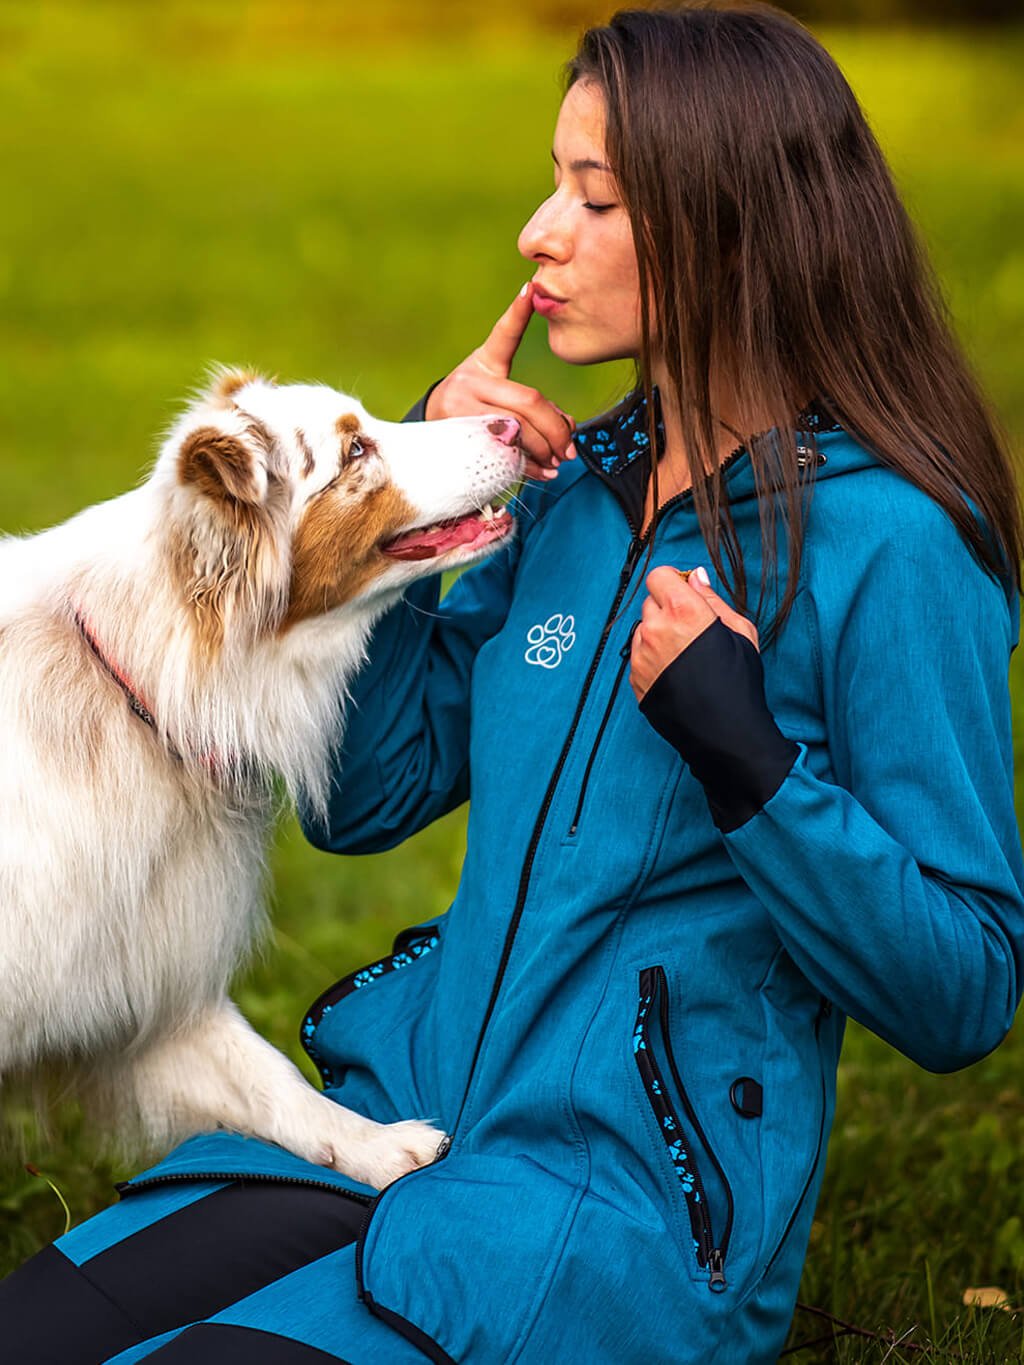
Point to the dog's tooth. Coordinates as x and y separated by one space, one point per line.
488 513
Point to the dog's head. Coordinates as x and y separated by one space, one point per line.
291 501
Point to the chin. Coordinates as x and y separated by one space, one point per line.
577 348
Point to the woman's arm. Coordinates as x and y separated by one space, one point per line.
403 759
899 892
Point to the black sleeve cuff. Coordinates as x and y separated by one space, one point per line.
418 411
709 704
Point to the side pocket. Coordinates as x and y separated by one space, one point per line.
666 1094
824 1010
410 944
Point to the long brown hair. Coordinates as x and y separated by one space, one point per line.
768 228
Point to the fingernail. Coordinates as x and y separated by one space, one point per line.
548 473
570 452
524 291
701 574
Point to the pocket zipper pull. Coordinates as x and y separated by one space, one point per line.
716 1263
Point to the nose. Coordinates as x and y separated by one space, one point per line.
544 237
506 429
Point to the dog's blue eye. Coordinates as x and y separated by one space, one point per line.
356 448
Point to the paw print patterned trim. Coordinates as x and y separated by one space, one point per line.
620 439
670 1126
548 642
614 441
410 945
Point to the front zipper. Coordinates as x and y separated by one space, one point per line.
638 543
632 557
710 1254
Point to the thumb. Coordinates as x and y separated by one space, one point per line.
499 350
700 582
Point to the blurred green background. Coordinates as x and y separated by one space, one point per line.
333 193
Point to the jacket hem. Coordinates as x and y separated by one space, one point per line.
411 1333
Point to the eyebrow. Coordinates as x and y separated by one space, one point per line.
584 164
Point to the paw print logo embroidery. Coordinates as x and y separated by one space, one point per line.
547 643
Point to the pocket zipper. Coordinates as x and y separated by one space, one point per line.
654 990
824 1010
126 1187
624 654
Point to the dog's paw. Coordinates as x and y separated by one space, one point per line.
378 1153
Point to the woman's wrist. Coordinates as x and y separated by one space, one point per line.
709 704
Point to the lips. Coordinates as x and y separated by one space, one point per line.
547 304
467 533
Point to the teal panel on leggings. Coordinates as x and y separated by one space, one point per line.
144 1348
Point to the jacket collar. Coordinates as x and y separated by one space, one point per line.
612 442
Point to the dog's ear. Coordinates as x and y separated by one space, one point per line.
225 468
226 381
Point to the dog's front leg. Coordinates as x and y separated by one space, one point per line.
219 1073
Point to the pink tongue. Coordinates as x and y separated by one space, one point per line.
429 544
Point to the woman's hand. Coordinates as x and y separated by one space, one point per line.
680 607
698 676
481 384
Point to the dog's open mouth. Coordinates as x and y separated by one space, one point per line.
469 532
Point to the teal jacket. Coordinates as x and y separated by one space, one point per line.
629 1020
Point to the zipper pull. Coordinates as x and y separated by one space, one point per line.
632 555
716 1264
627 648
443 1147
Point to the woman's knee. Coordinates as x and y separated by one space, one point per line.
52 1314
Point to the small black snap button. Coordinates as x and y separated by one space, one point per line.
747 1097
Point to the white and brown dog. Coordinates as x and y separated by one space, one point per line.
164 657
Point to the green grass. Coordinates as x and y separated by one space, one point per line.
185 184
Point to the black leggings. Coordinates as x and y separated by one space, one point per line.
182 1268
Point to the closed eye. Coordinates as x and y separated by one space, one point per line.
599 208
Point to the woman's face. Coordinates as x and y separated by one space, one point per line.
586 283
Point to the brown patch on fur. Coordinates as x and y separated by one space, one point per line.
198 593
218 465
211 566
308 462
226 385
334 552
348 428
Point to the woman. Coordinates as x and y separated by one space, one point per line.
629 1022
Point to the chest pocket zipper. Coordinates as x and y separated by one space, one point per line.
652 1020
624 654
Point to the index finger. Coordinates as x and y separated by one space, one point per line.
499 350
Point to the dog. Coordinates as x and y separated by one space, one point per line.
167 660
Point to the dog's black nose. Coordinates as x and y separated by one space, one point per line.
506 429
